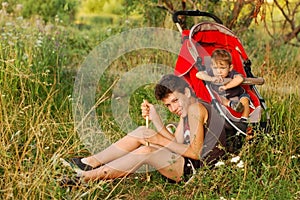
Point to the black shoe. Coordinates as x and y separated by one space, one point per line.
243 126
66 182
237 106
244 120
81 165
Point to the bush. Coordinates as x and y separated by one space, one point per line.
49 9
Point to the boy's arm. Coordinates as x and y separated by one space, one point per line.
193 150
162 129
150 111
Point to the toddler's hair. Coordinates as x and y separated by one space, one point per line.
221 54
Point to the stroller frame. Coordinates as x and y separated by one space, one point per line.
198 63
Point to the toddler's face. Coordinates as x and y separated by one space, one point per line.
220 68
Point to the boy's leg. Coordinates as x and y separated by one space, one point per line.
166 162
123 146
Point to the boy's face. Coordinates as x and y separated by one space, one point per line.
221 68
177 103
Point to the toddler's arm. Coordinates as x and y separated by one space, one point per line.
237 80
204 76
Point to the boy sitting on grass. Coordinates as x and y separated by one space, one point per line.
231 93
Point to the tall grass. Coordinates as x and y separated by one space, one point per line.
38 65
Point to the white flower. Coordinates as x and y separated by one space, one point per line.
56 18
8 24
240 164
25 57
235 159
16 134
4 4
39 43
20 18
19 7
70 98
295 156
220 163
222 198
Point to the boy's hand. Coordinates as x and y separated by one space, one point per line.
149 111
145 107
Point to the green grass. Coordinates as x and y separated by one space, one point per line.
36 123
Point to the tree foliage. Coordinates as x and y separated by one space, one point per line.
281 17
98 6
284 21
48 10
92 6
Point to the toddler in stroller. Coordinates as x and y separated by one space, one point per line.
231 93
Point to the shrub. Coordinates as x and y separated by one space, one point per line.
49 9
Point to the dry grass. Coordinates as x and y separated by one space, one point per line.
37 128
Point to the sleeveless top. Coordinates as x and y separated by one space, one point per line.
214 134
186 131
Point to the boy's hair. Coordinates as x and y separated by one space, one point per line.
221 54
168 84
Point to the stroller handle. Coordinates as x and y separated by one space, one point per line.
195 13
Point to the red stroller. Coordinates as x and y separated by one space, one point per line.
197 45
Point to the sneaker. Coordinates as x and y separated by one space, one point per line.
67 182
243 126
244 120
236 106
80 164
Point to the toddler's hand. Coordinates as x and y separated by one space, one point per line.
217 79
222 88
